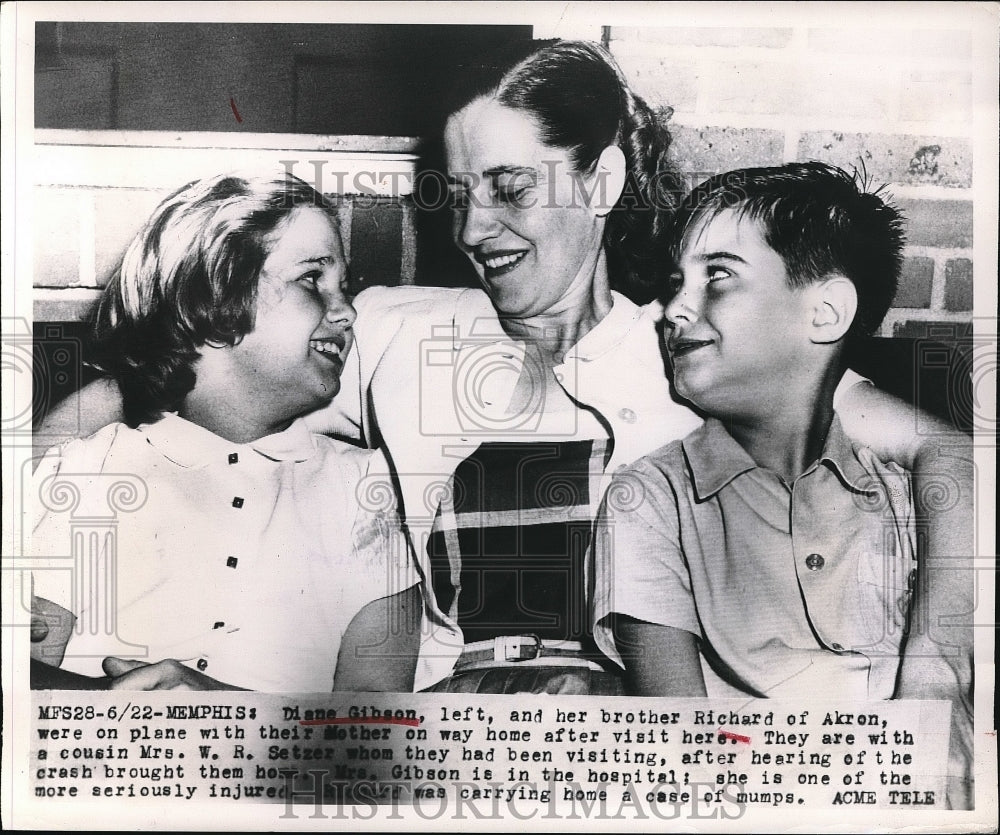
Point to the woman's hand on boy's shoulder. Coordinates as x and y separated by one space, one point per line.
162 675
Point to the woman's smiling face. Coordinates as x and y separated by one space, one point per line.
521 210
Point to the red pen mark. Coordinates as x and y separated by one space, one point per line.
362 720
735 737
236 113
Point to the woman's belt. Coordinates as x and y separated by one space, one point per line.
529 650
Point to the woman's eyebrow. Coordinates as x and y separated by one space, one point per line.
499 170
720 256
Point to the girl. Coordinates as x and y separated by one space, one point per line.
242 557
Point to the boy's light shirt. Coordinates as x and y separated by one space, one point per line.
792 592
281 541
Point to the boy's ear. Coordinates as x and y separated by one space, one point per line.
608 180
833 303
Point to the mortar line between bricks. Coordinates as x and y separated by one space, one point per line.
88 239
59 288
938 282
935 252
793 136
894 104
818 124
931 192
901 315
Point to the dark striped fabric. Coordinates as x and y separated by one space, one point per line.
509 540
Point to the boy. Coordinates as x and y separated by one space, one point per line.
764 539
242 556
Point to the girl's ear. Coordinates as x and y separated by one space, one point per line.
832 306
608 181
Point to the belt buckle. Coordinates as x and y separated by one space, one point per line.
516 648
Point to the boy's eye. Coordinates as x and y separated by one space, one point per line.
718 273
310 279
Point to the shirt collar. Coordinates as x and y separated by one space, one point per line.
190 445
715 459
477 329
476 322
838 453
607 333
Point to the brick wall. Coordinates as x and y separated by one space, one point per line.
900 104
94 189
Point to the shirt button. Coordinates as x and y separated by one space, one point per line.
814 562
627 415
219 624
202 663
231 562
233 457
237 501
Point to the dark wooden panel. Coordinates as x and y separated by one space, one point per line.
376 242
390 80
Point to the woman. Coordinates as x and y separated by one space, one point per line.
503 410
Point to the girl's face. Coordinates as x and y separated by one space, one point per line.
303 327
522 213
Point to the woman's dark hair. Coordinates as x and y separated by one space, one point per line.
189 278
582 102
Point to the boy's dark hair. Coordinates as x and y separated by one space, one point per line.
819 219
189 278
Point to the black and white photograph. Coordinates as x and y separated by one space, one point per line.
516 414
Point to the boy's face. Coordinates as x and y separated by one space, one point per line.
292 359
735 326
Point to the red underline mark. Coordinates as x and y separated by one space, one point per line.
735 737
236 113
365 720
